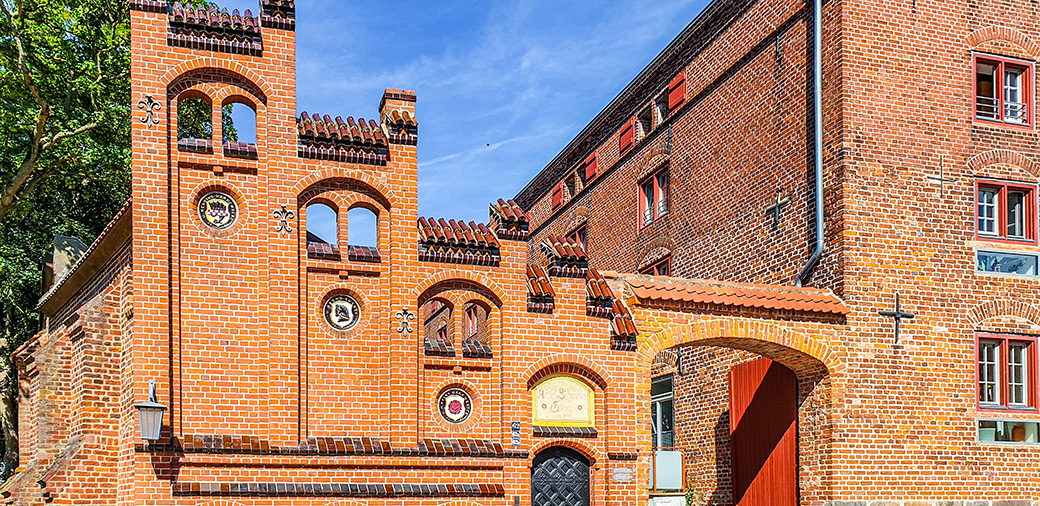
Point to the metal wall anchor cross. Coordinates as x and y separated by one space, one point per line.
898 315
404 316
941 178
283 216
776 208
150 107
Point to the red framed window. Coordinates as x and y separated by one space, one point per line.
677 92
557 196
579 235
1007 372
471 321
591 167
1004 90
662 267
442 334
1005 211
626 139
653 198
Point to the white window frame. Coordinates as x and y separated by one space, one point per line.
1023 370
656 404
993 362
991 217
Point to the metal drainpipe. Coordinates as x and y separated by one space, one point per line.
818 131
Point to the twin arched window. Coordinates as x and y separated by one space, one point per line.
323 229
195 126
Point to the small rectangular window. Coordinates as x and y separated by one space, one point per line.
653 197
1003 90
591 167
626 139
661 108
644 123
1011 263
557 196
1009 431
661 267
677 92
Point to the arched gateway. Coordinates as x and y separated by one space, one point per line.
560 477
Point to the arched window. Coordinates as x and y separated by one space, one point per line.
475 332
238 128
437 328
322 233
194 124
362 227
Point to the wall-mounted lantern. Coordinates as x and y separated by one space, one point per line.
151 415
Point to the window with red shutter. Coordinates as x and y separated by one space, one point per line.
626 139
677 92
557 196
591 166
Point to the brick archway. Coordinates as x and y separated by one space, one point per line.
987 158
584 448
1003 307
1004 33
801 353
815 365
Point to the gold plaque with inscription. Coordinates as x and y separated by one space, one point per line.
563 401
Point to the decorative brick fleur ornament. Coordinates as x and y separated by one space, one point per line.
342 312
218 210
455 405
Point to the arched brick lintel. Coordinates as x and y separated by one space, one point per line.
800 352
498 295
1002 307
341 173
987 158
565 363
588 451
1012 35
216 63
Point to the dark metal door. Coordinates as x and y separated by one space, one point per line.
560 477
764 434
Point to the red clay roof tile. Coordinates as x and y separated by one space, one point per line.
456 233
698 291
564 248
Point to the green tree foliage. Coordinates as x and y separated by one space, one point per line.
195 120
64 151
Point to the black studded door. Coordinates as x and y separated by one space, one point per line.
560 478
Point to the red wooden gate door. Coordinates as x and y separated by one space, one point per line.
763 431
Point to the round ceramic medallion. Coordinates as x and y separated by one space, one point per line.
218 210
342 312
454 405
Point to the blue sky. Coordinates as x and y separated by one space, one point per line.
502 86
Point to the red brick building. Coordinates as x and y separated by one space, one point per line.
445 363
929 178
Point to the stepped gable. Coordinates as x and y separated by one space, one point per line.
350 140
540 293
566 257
214 29
728 296
509 221
450 241
602 303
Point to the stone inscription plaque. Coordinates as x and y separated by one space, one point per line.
563 401
623 475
